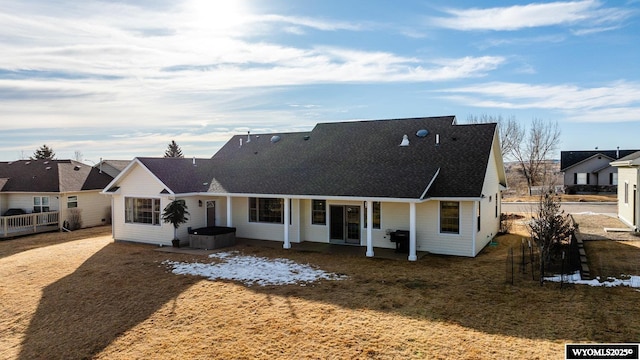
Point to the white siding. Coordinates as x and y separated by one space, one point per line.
256 230
309 231
627 175
139 183
94 208
489 222
429 238
24 201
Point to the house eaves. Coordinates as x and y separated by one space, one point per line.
587 159
114 183
629 160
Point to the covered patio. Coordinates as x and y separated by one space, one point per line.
305 246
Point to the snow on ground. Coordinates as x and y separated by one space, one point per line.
629 280
253 270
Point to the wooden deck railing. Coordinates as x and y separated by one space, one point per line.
27 223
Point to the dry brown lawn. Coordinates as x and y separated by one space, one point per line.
80 295
565 198
610 254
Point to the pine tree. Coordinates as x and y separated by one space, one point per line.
173 151
43 153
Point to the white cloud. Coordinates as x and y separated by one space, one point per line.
614 102
517 17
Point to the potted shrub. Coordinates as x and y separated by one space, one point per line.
175 213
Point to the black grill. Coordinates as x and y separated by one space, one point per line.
401 238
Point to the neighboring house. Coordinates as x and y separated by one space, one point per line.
52 188
628 179
112 167
589 171
346 183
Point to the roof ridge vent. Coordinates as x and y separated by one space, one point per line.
405 140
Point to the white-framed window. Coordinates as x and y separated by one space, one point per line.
266 210
376 214
613 178
319 212
40 204
582 178
72 202
450 217
142 210
478 215
626 192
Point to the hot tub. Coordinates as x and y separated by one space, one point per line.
212 237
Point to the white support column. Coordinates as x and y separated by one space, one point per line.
229 212
412 232
287 210
369 228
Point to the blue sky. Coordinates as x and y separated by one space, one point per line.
119 79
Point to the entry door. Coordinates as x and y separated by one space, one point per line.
211 213
345 223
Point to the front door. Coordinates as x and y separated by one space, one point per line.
345 224
211 213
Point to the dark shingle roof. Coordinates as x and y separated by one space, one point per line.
571 158
50 176
358 159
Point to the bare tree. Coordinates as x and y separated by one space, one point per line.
511 133
78 156
536 149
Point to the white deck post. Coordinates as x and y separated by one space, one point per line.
369 227
229 220
412 232
287 210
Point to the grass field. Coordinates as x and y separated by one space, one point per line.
80 295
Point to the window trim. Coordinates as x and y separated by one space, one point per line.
578 181
322 213
255 215
69 198
626 192
39 206
376 216
442 217
479 216
132 214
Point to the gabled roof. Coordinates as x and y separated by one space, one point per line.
346 159
51 176
571 158
632 159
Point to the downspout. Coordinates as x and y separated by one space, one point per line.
474 230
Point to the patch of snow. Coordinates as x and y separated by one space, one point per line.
575 278
253 270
